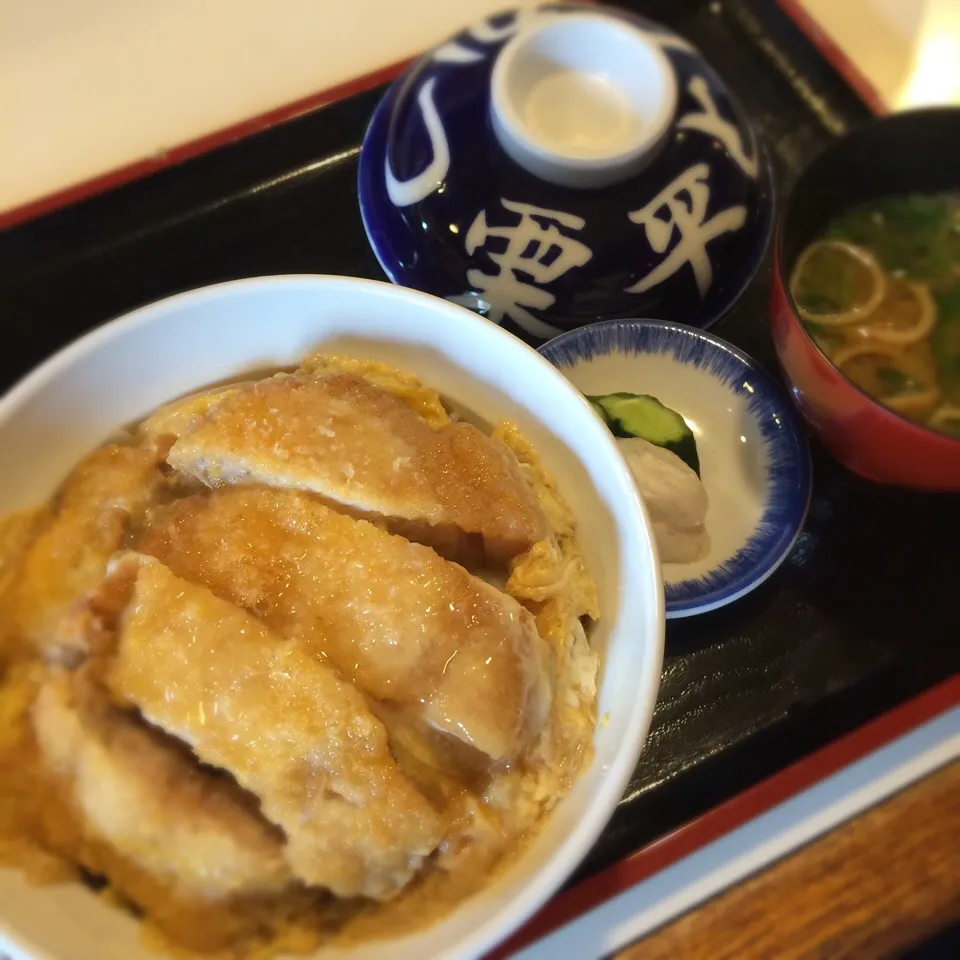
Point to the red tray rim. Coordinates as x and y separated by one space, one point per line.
193 148
834 55
734 813
200 145
83 189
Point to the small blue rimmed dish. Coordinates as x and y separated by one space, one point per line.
754 462
563 165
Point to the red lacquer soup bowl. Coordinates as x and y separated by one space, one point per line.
914 152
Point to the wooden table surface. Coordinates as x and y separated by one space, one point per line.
873 887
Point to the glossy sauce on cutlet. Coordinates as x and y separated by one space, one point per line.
281 722
342 438
396 619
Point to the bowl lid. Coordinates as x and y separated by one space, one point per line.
563 165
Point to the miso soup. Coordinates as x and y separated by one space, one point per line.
879 291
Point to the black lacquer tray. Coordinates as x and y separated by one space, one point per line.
863 614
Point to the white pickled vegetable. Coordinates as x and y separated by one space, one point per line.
675 498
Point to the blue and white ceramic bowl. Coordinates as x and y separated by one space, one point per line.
567 164
754 458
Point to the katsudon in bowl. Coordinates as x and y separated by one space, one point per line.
305 659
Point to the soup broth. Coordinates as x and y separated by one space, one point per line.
879 292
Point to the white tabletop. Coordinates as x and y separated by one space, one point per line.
907 51
88 86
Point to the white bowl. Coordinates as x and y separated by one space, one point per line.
123 370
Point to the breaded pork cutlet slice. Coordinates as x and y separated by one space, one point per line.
147 798
283 724
360 446
185 846
395 618
108 493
